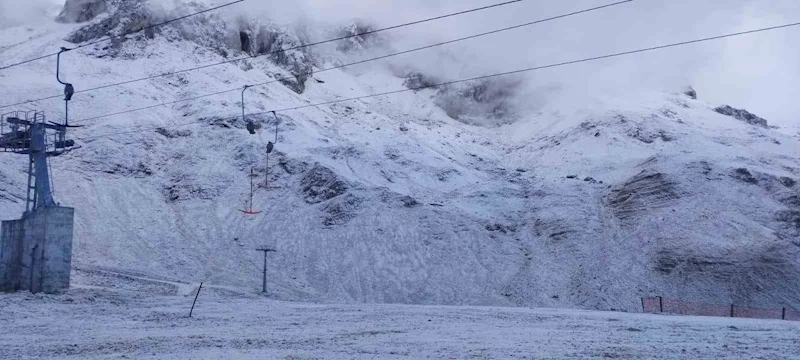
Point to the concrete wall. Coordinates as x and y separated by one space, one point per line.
36 251
11 250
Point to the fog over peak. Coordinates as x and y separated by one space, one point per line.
758 71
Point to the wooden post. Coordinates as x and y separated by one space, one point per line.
643 309
195 299
783 316
731 310
264 278
661 304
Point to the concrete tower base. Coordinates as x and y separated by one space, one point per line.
36 251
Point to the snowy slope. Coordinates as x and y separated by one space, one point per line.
389 199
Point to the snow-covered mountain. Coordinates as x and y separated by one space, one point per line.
441 196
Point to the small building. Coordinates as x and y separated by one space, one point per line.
36 251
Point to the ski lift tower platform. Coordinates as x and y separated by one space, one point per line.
36 250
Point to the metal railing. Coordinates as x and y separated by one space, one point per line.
15 128
661 305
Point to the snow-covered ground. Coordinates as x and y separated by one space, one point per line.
119 317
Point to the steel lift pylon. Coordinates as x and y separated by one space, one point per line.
36 250
29 133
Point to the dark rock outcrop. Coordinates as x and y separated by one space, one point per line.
177 193
418 81
172 133
78 11
409 201
321 184
292 166
790 217
742 115
649 136
505 229
244 39
359 36
744 175
643 192
283 48
488 102
690 92
485 102
342 210
788 182
125 17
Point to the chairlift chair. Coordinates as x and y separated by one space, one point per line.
69 91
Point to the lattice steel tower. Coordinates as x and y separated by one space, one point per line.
29 133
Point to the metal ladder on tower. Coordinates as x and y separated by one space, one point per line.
30 202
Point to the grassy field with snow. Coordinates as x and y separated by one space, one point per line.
124 318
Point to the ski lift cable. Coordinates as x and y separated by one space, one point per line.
131 32
590 59
276 51
277 123
309 73
158 105
519 71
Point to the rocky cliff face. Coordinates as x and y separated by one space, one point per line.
489 102
78 11
122 17
231 39
360 37
485 102
742 115
282 47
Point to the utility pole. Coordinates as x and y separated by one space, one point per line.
265 250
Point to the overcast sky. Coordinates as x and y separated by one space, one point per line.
759 72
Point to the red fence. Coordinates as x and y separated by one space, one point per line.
658 305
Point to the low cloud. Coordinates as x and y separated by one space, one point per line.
16 12
758 71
